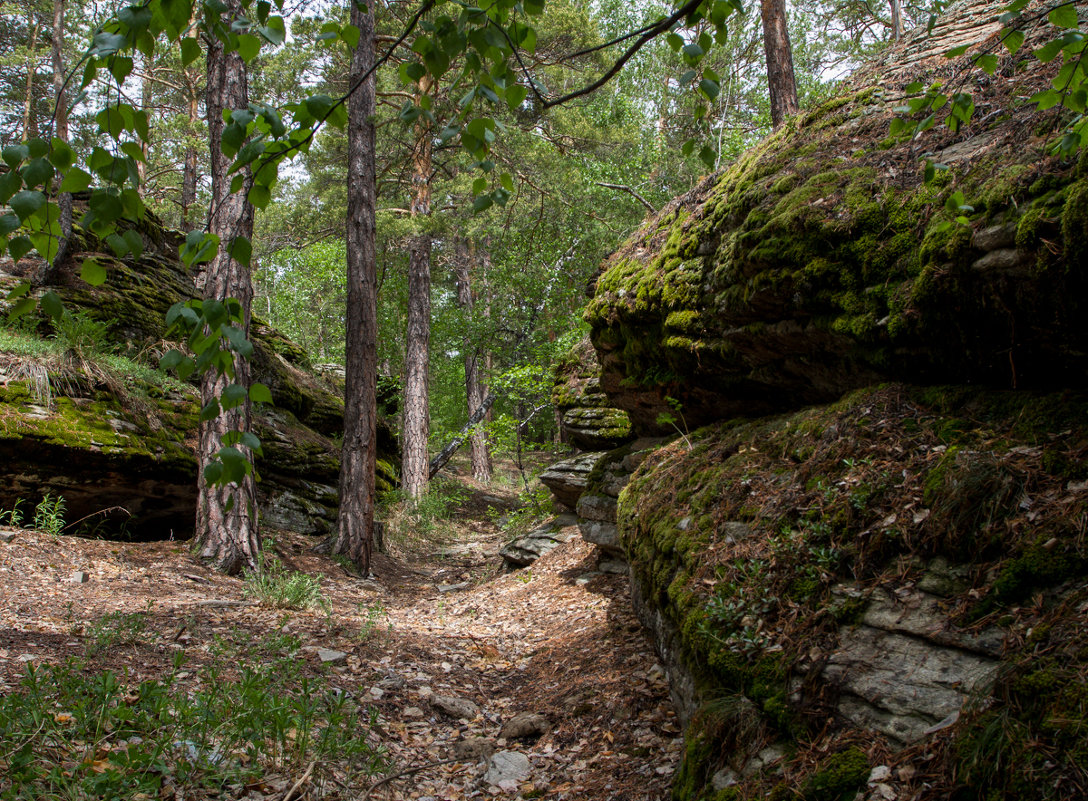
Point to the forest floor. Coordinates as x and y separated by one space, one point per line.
441 620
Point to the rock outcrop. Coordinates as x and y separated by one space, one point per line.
820 262
123 438
866 545
588 420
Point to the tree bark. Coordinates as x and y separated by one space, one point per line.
30 123
780 77
897 19
474 395
418 336
60 117
226 518
189 169
355 526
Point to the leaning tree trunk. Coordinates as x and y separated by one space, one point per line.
226 517
897 19
474 395
355 526
417 341
780 77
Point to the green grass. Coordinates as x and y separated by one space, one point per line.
70 733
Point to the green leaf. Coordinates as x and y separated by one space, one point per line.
199 248
215 313
1046 99
515 96
237 339
248 47
987 62
1064 16
213 472
21 307
61 156
709 88
190 51
1013 41
260 196
13 155
51 304
235 465
19 246
8 223
18 291
1049 51
25 203
233 396
92 272
957 51
240 250
709 156
482 203
135 243
259 393
75 180
210 411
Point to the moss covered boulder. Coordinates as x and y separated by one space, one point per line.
820 261
117 440
588 419
903 572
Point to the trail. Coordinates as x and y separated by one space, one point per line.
558 640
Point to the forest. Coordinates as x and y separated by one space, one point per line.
550 398
492 205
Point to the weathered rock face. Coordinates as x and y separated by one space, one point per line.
71 428
597 506
567 479
867 572
819 262
589 421
525 550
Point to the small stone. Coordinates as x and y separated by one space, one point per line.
724 778
585 578
7 536
412 712
885 792
455 707
331 657
507 766
79 577
614 566
444 588
879 774
525 725
477 749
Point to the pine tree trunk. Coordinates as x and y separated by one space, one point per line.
226 518
780 77
189 168
30 121
474 395
355 526
60 116
417 340
897 19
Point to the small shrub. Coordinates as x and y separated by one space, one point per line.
272 584
536 504
374 616
114 630
81 333
14 515
411 522
49 514
839 777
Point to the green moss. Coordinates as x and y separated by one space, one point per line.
1038 568
839 777
1075 225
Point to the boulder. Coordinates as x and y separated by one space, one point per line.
589 421
567 479
525 550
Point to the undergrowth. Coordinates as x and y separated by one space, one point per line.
273 584
68 733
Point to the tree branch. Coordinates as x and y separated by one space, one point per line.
630 191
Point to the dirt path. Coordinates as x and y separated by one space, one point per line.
558 640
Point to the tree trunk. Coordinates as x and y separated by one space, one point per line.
447 452
30 121
145 105
474 395
226 517
60 117
189 168
417 340
780 78
897 19
355 526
